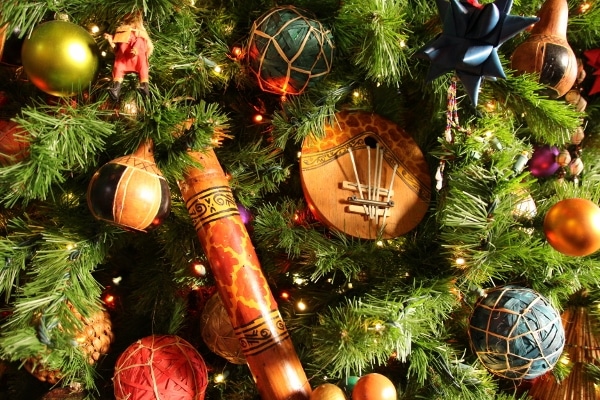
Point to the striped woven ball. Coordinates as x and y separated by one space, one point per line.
516 333
130 192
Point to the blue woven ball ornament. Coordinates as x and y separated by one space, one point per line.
516 333
288 52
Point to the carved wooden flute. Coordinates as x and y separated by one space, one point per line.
245 293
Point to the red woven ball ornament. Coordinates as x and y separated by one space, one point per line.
160 367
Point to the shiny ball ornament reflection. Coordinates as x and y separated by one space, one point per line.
60 58
572 227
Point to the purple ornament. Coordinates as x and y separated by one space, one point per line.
245 214
543 161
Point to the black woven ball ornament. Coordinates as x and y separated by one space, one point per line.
288 52
516 333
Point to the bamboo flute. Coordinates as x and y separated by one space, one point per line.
243 288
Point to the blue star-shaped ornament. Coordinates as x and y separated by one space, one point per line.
472 34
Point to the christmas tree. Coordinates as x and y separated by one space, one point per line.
377 199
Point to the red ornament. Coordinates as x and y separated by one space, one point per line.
13 145
572 226
160 367
374 387
593 60
130 191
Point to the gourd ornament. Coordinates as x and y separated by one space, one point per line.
547 52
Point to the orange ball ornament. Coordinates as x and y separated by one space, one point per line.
572 227
327 391
374 387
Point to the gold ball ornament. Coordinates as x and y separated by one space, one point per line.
60 58
374 387
572 227
217 331
327 391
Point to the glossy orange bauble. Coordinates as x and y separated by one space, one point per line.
374 387
327 391
572 226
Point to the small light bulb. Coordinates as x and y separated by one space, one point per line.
301 306
199 269
258 118
219 378
218 69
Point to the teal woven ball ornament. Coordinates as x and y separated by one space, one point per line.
516 333
288 52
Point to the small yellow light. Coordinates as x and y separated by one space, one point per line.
380 243
218 69
95 29
403 43
219 378
356 93
584 7
237 51
258 118
460 261
199 269
301 306
71 246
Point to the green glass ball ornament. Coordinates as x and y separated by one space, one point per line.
60 58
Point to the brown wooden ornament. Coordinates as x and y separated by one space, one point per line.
242 287
130 191
366 177
546 52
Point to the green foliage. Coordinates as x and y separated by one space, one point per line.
395 306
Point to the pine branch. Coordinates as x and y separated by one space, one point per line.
373 34
345 335
62 141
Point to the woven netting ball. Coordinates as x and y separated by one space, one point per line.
217 331
287 51
516 333
160 367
